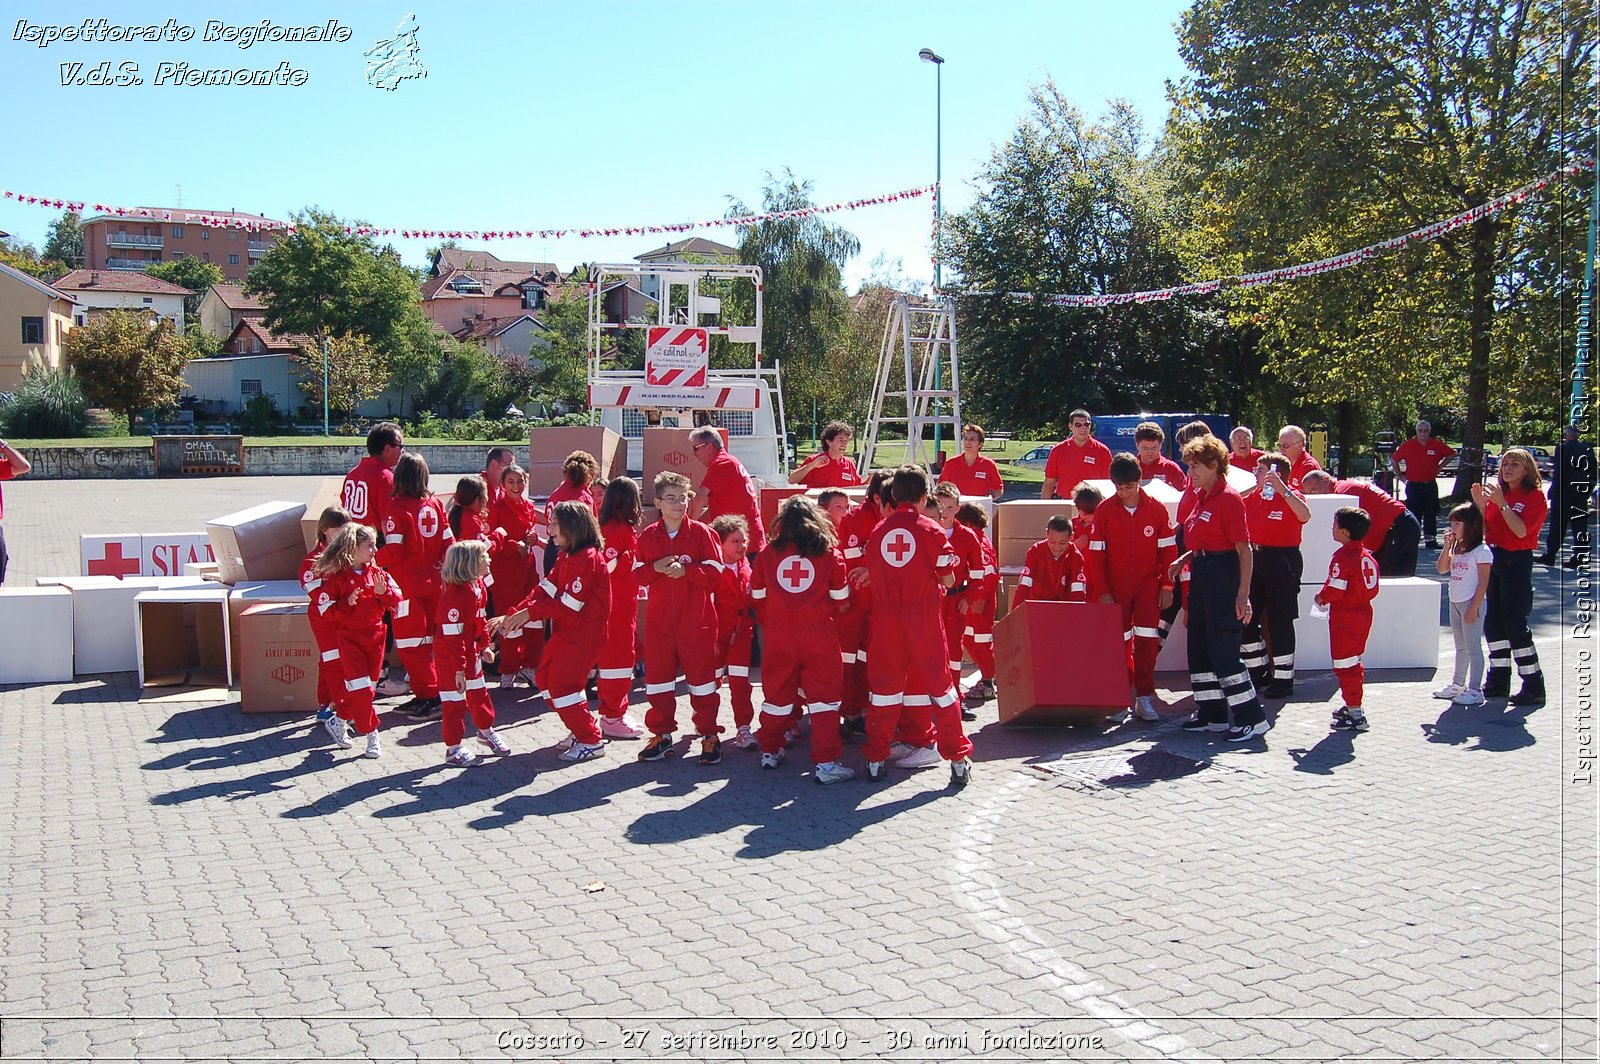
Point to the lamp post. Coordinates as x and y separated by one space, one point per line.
928 55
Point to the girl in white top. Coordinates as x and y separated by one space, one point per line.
1467 560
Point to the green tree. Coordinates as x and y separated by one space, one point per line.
127 364
466 372
356 373
414 367
23 256
65 240
196 275
564 377
804 305
1305 129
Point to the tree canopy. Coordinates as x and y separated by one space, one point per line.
127 363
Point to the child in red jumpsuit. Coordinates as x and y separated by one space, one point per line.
514 568
329 681
978 640
735 622
1348 594
356 593
907 560
679 561
854 531
798 583
415 536
1053 570
459 650
576 599
1085 501
620 511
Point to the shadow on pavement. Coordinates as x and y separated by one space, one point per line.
1496 725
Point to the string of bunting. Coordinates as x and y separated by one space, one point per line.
1423 234
254 224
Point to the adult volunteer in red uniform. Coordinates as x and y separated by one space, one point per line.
1075 459
1153 465
1417 462
830 467
726 487
1292 445
367 487
970 471
1393 536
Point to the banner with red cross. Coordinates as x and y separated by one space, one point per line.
676 356
142 554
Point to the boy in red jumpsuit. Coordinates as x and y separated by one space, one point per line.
978 640
1132 546
1053 570
459 647
620 511
1085 501
854 623
735 623
907 560
1348 594
679 561
797 585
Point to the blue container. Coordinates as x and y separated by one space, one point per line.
1116 430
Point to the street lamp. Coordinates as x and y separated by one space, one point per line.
928 55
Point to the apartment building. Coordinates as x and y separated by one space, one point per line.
134 242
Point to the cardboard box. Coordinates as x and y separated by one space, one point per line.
278 664
265 542
182 639
102 615
203 571
550 446
771 498
1060 663
1022 522
37 642
327 495
1406 627
251 593
670 450
1009 576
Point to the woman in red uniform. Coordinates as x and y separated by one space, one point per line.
356 593
416 534
620 512
329 682
1514 510
970 471
576 599
459 648
829 467
513 569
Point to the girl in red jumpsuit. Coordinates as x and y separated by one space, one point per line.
620 511
514 567
416 533
735 623
329 682
798 583
356 593
576 599
459 649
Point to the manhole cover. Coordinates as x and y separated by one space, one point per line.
1125 770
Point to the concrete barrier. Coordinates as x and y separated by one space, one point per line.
138 463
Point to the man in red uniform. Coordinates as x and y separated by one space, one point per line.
1417 462
1131 547
367 487
679 560
1243 453
1053 570
12 464
907 559
1075 459
726 487
1292 445
1153 465
1395 530
1274 514
971 471
1352 585
495 463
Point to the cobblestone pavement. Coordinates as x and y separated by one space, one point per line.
183 882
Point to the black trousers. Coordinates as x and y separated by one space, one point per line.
1505 616
1422 499
1397 554
1221 682
1568 508
1267 646
5 559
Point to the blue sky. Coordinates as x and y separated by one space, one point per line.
535 116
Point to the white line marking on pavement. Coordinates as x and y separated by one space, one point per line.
981 891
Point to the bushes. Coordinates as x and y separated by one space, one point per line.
259 417
480 428
48 404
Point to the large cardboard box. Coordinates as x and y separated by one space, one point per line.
251 593
35 635
327 495
182 638
279 658
102 619
262 543
670 450
1060 663
550 446
1406 628
1009 576
1019 524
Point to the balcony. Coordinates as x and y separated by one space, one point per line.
256 248
129 240
131 264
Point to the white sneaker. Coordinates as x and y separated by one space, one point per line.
833 772
568 742
524 677
619 728
373 749
899 750
507 680
1145 708
772 760
1449 691
744 740
920 757
460 757
583 751
488 738
389 687
339 730
1469 696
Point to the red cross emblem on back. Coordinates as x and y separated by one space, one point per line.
797 575
898 548
428 522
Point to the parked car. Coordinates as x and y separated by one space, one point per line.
1491 463
1034 459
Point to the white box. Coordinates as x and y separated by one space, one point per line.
170 553
1316 537
102 620
204 570
37 627
1405 627
118 555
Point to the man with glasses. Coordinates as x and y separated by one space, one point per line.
727 487
368 487
1075 459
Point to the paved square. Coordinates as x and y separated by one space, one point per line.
181 881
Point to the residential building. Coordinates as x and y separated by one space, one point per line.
225 383
464 287
224 306
33 317
251 337
133 241
694 249
99 291
510 337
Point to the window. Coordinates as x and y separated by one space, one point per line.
233 234
179 255
249 389
177 231
149 299
33 330
205 234
233 260
206 255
